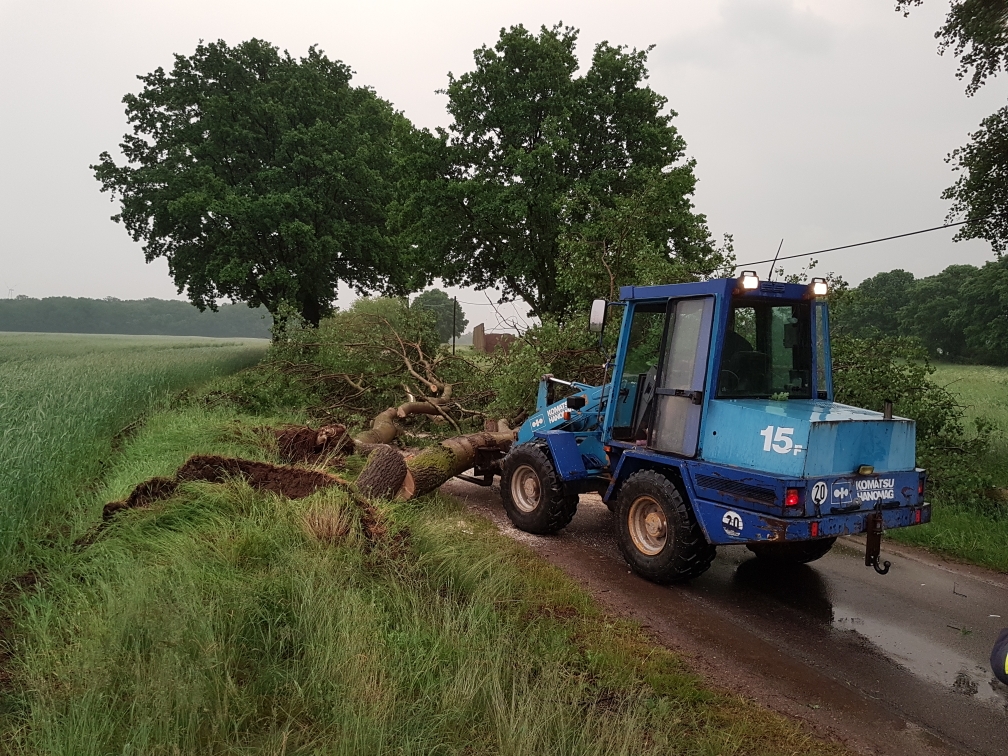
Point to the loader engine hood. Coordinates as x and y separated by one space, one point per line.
804 438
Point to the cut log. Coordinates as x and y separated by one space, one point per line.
383 474
432 467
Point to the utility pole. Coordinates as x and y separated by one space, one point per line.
454 310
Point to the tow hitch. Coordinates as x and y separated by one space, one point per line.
873 545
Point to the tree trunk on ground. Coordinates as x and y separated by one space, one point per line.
383 429
387 474
432 467
383 474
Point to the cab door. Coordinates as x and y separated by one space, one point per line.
682 375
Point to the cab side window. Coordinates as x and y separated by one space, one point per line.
636 385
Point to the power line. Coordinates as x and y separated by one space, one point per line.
859 244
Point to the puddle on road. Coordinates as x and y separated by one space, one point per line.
923 657
810 592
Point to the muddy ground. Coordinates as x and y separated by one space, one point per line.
887 665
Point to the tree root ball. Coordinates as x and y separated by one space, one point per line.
299 443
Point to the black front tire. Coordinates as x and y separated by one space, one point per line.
792 552
658 532
534 495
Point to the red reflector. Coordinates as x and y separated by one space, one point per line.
920 487
791 498
917 516
815 529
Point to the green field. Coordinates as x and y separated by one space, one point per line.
229 620
65 402
983 393
957 529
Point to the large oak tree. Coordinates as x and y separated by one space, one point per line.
537 153
266 179
977 33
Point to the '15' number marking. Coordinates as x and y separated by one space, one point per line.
779 442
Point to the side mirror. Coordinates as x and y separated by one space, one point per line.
596 320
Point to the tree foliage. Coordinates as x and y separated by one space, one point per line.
961 314
150 317
376 354
449 318
264 178
980 193
618 241
538 156
977 33
872 308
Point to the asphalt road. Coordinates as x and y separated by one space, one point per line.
894 664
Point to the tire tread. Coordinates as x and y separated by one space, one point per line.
561 506
694 554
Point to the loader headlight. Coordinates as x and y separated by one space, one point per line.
819 287
750 280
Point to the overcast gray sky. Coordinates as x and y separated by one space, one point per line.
816 121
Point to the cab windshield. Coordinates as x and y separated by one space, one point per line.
767 352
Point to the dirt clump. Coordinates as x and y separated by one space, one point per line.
292 482
143 495
300 443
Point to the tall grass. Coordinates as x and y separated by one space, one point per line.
220 622
64 399
983 392
973 531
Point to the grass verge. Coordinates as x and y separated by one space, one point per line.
226 620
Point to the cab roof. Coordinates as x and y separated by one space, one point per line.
723 286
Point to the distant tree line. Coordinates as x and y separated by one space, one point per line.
959 315
140 317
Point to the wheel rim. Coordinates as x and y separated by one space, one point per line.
526 489
648 525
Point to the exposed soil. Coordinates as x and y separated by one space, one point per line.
292 482
299 443
143 495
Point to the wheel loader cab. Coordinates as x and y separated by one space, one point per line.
768 343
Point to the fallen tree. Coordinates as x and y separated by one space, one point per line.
389 474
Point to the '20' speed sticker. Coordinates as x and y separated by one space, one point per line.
732 523
819 492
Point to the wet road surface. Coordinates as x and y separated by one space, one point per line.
894 664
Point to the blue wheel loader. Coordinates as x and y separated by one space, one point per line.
718 427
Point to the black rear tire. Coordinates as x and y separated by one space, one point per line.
534 495
792 552
658 532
